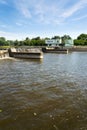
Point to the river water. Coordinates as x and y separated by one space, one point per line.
44 95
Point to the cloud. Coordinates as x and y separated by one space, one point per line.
3 26
19 24
3 1
76 7
13 36
23 8
40 11
45 12
25 12
80 18
16 35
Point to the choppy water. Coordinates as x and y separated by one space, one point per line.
44 95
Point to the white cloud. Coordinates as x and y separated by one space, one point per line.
11 36
48 12
40 11
25 12
79 18
23 7
3 26
78 6
18 36
3 1
19 24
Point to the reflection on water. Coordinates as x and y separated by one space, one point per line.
44 95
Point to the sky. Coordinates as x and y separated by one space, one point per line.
45 18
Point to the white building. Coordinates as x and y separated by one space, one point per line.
52 42
69 42
56 42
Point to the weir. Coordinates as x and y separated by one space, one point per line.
4 54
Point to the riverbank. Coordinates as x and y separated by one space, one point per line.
77 48
5 54
64 49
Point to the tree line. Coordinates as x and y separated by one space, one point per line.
37 41
81 40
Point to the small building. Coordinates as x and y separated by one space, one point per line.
68 43
59 42
52 42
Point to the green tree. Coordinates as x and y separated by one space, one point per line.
81 40
46 38
2 41
16 43
64 38
26 42
36 38
56 37
82 36
10 43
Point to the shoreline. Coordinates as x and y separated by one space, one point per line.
77 48
4 54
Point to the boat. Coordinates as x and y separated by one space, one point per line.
25 53
54 50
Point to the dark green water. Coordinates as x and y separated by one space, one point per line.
44 95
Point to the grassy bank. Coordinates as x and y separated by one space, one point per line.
4 47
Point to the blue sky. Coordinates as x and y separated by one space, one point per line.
45 18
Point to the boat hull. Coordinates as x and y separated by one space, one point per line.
54 50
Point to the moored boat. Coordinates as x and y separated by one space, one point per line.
54 50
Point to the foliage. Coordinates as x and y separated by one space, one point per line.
81 40
82 37
2 41
4 47
37 41
56 37
64 38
